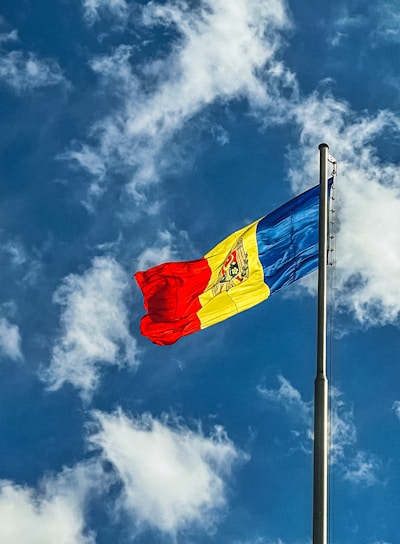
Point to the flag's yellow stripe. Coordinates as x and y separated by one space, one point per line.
217 307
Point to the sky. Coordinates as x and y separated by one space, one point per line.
134 133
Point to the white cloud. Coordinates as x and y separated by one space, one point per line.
173 478
164 249
345 22
153 256
396 408
387 22
357 466
367 205
93 9
342 428
54 513
289 399
15 251
220 135
224 47
25 71
226 50
26 264
363 469
89 161
11 36
94 326
10 340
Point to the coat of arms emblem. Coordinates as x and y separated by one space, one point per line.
234 271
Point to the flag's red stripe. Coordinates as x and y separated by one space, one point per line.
171 297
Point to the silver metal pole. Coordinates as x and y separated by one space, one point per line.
320 488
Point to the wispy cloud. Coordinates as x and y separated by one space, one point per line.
166 246
359 467
152 256
15 252
5 37
94 327
363 469
54 512
288 398
25 264
10 340
173 478
387 22
95 9
226 50
23 72
396 408
344 23
342 428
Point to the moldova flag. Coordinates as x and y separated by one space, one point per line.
240 272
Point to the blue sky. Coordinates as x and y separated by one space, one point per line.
134 133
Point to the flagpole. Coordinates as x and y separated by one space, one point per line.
320 487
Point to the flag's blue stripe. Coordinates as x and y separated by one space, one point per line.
287 240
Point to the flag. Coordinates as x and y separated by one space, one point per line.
241 271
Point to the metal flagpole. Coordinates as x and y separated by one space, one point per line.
320 487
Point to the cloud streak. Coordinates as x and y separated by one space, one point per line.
288 398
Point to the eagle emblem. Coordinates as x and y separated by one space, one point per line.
234 271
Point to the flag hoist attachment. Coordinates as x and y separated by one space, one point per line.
320 486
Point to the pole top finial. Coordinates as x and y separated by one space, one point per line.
323 145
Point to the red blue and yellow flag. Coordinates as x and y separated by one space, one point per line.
240 272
